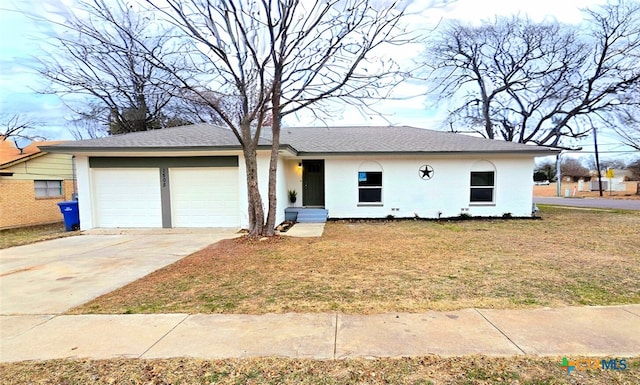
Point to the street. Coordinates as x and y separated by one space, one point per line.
622 204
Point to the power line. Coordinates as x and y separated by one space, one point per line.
603 152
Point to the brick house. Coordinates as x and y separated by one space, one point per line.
32 182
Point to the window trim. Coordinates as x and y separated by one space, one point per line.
371 187
48 189
492 202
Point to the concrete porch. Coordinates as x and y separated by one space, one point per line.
306 214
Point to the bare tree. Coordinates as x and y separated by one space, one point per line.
17 127
634 167
197 105
98 55
572 167
270 58
619 164
628 128
89 124
538 82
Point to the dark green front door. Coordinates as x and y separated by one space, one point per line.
313 183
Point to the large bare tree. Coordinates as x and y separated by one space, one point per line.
270 58
249 62
97 66
538 82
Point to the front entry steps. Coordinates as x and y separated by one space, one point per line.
306 215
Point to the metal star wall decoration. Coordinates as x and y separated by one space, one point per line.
425 172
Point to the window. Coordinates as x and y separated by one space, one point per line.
48 188
370 186
482 185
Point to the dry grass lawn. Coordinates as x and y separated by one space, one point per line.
571 257
31 234
419 370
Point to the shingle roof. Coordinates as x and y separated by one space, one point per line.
10 154
389 139
308 140
196 135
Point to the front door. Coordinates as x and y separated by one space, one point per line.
313 183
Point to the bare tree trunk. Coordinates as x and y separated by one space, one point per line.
273 172
255 208
276 119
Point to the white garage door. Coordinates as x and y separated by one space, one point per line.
204 197
127 197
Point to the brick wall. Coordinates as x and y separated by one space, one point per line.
19 206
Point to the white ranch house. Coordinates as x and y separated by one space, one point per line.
194 176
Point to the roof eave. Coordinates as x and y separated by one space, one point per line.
23 159
125 150
77 149
534 151
544 152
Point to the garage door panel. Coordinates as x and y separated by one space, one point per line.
127 197
204 197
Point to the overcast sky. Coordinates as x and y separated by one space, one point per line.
20 42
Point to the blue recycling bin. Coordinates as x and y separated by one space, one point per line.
69 210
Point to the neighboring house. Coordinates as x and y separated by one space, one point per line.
615 183
194 176
619 175
32 182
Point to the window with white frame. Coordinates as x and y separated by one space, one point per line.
48 188
482 186
369 187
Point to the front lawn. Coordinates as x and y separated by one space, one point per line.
419 370
571 257
30 234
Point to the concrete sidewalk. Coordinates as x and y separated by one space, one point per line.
590 331
305 230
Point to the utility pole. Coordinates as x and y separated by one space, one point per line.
595 143
558 175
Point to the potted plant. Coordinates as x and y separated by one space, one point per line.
293 196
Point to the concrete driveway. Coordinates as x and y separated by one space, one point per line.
53 276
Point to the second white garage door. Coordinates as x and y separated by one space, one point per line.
204 197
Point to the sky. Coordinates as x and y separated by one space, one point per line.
21 42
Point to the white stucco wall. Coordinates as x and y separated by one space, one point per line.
85 204
446 194
293 179
281 188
